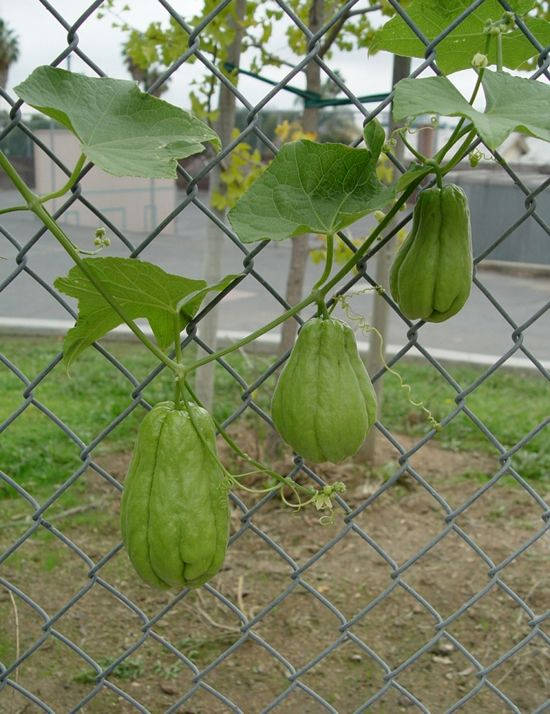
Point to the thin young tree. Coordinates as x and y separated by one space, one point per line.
352 30
241 27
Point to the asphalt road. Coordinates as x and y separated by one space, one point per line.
478 328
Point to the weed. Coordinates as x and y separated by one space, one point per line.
202 651
51 561
167 671
129 670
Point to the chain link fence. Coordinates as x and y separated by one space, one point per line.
354 617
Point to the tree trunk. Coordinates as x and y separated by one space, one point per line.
401 69
4 76
208 327
300 244
426 140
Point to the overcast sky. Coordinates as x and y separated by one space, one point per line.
42 38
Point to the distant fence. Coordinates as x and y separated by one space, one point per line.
498 204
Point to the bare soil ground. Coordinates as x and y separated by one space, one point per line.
350 575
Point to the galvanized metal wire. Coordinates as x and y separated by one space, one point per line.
296 575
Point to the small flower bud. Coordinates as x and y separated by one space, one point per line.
509 20
475 157
480 61
101 240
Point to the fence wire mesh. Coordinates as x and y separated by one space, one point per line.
276 663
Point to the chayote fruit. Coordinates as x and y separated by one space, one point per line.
431 275
174 513
324 403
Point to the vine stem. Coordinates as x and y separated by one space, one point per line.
34 204
237 449
499 52
179 360
363 249
456 136
11 209
460 154
328 261
411 148
70 182
55 194
254 335
321 307
232 479
477 85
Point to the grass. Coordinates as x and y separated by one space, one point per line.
199 650
206 649
128 669
509 404
7 646
36 453
34 450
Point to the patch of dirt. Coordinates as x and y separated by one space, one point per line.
398 593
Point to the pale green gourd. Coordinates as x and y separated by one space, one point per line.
324 403
174 512
431 275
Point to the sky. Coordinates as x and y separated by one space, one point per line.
42 38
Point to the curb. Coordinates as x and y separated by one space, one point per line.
521 270
267 344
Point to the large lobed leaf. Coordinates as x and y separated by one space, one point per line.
512 104
310 188
457 49
141 289
120 128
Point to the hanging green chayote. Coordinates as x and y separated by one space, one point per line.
324 403
175 511
431 275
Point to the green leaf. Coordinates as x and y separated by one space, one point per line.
455 51
375 136
189 305
309 188
512 104
141 289
120 128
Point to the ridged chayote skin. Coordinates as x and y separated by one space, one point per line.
174 513
324 403
431 275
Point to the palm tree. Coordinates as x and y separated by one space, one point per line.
9 51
